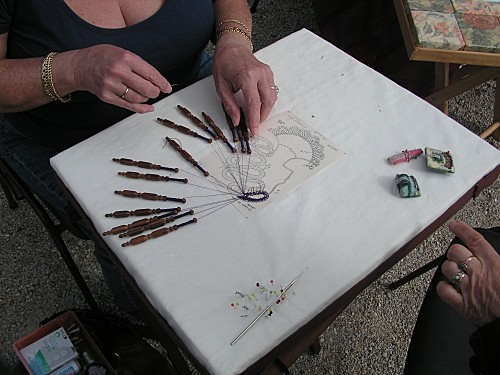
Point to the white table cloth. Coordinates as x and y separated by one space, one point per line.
341 223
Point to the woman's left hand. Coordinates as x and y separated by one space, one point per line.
236 68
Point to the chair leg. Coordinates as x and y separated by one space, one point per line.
315 348
7 191
254 6
55 233
54 230
495 127
412 275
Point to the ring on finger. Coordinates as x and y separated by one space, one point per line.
276 88
463 265
456 278
125 93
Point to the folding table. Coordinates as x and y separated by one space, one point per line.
345 223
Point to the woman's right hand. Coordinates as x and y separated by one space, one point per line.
115 76
476 294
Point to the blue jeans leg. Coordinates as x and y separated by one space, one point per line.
30 160
205 65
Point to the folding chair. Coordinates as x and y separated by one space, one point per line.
419 271
254 6
15 190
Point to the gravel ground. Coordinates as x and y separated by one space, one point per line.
370 337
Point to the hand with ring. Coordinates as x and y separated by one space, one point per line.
117 76
473 272
235 68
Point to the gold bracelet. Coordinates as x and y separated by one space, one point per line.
234 21
237 30
48 83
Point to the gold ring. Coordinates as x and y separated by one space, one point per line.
125 93
463 265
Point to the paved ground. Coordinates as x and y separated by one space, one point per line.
370 337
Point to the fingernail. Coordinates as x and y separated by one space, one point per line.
452 224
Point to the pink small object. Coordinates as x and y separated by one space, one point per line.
405 156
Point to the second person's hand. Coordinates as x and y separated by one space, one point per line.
474 274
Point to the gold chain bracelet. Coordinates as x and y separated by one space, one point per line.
236 30
233 21
48 83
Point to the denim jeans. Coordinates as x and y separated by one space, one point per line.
205 65
30 161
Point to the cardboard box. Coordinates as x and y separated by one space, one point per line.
50 348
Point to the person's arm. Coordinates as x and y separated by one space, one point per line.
20 82
235 68
104 70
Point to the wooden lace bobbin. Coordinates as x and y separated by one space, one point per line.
154 224
182 129
217 131
197 121
143 164
244 131
157 233
137 224
148 196
151 177
185 155
242 140
140 212
230 124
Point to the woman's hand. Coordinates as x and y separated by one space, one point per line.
117 76
476 266
236 68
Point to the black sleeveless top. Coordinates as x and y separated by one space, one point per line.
171 40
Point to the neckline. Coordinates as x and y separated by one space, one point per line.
107 30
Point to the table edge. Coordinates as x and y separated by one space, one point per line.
316 326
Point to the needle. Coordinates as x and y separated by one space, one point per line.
268 307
